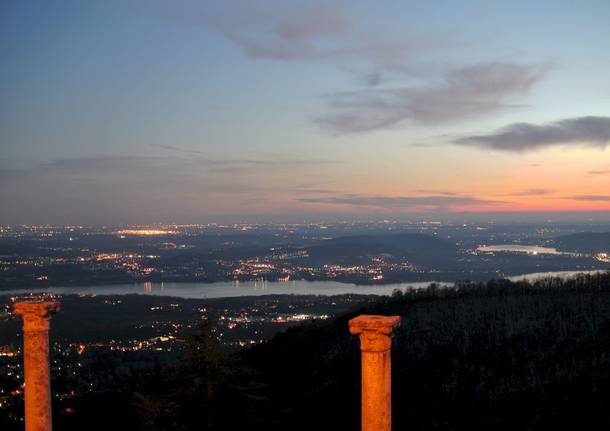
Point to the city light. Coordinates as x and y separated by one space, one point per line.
145 232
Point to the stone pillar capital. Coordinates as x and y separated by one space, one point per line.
36 314
375 331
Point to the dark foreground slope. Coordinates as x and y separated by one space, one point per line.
495 356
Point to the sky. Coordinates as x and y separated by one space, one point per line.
123 111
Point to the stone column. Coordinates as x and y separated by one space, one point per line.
375 344
36 316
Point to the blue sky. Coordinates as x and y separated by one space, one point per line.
142 111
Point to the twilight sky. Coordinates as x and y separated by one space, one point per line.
193 111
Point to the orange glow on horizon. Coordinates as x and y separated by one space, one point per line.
146 232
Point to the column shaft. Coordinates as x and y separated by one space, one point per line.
36 316
376 391
37 381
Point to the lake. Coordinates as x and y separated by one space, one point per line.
258 288
230 289
514 248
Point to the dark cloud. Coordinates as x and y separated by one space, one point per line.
591 132
591 198
407 202
191 162
435 192
332 32
532 192
182 160
176 149
461 93
316 31
310 191
607 172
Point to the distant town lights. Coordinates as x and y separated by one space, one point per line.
146 232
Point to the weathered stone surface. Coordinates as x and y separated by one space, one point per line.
375 343
36 316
